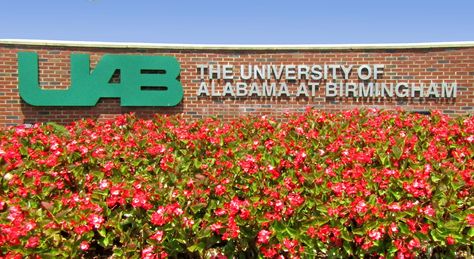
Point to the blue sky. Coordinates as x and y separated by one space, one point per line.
239 21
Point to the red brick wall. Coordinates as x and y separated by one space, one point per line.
408 65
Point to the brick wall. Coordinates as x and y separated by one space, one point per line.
413 65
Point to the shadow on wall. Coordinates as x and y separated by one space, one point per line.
106 108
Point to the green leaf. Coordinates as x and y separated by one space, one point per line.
199 247
278 226
396 194
196 208
197 163
292 232
106 241
456 185
345 235
23 151
392 249
396 151
58 129
118 252
470 233
102 232
435 178
404 228
436 235
347 248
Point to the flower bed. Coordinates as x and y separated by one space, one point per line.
355 183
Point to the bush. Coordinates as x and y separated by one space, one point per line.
356 183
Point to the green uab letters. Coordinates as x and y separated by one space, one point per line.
143 81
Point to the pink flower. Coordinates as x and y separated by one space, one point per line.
188 222
414 243
367 245
174 209
104 184
140 199
394 207
178 211
32 242
158 236
279 206
216 227
361 207
220 212
95 220
234 206
375 234
30 225
147 253
15 214
295 199
263 236
220 190
393 228
108 166
429 211
115 191
158 218
470 139
84 246
290 244
273 171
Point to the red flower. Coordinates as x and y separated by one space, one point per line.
268 252
273 171
361 207
311 232
295 199
470 219
158 236
147 253
263 236
216 227
244 214
95 220
220 212
393 228
104 184
290 244
84 246
82 229
375 234
450 240
278 205
414 243
219 190
395 207
188 222
30 225
32 242
428 211
158 217
140 199
174 209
